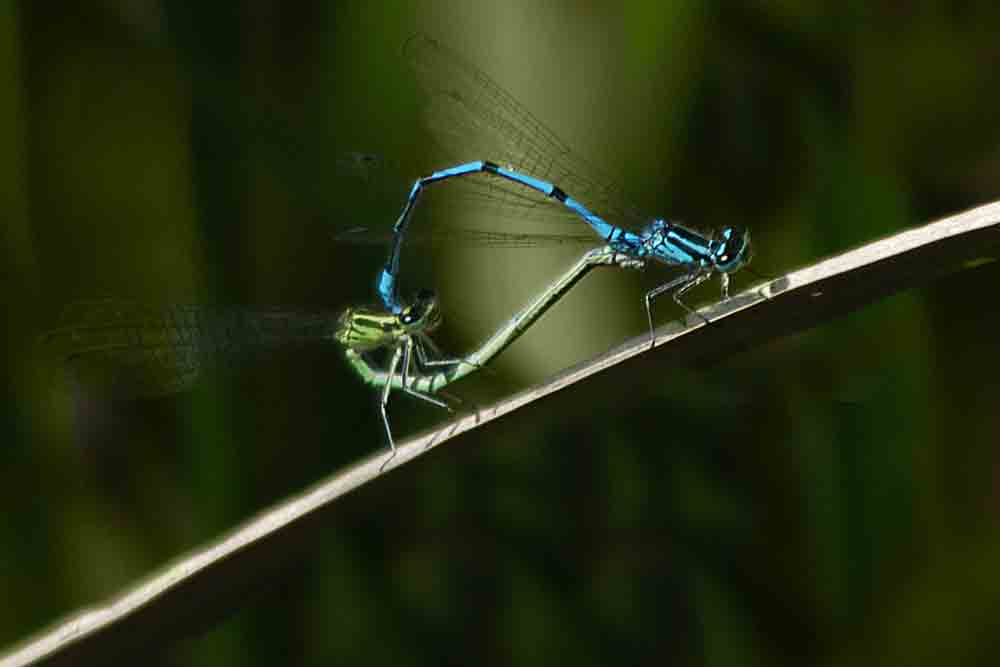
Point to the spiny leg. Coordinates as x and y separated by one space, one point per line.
697 280
407 360
419 341
386 389
424 340
416 343
657 291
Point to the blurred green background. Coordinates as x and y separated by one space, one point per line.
828 498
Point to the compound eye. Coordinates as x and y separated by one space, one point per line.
412 314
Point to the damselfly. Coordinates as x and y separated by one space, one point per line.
360 327
472 116
149 351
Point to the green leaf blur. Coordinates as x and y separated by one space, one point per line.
828 498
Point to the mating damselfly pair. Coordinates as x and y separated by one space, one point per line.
518 168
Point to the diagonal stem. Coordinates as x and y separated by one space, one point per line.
189 593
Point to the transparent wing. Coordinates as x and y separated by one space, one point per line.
466 237
385 183
151 351
366 166
472 118
378 176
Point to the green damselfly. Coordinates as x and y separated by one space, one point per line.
154 351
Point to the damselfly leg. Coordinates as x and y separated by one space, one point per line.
679 285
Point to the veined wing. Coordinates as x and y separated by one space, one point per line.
153 351
388 181
474 118
467 237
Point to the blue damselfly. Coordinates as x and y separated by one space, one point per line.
470 115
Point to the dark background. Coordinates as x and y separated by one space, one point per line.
827 498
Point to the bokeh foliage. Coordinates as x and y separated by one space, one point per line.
827 498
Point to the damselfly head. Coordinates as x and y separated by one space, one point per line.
731 249
423 313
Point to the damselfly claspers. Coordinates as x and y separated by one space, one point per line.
421 380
